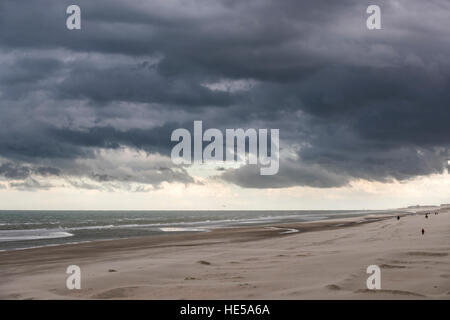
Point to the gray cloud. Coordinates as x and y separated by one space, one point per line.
29 184
290 174
19 171
361 104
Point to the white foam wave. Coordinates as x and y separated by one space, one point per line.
174 229
34 234
109 226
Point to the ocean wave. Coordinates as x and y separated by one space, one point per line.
175 229
47 230
35 234
109 226
209 223
287 230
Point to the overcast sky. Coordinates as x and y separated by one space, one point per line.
86 115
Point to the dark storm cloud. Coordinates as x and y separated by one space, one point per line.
143 84
28 70
290 174
19 171
152 140
10 170
359 103
29 184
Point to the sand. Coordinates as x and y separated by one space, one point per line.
317 260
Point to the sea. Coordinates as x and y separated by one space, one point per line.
28 229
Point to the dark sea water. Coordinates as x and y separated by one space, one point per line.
25 229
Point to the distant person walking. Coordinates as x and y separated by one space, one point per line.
423 231
398 217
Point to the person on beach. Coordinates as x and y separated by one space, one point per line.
398 217
423 231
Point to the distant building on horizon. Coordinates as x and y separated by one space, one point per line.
426 206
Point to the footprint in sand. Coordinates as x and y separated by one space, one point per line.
115 293
333 287
427 254
391 266
394 292
251 259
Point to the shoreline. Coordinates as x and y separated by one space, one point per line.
239 233
172 266
376 213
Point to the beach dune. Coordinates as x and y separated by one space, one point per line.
314 260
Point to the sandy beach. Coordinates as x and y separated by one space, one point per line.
309 260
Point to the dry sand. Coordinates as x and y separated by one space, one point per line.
324 260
